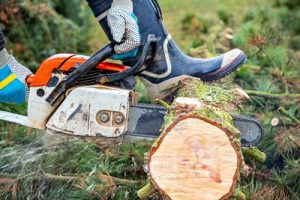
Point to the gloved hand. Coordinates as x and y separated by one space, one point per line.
124 29
13 88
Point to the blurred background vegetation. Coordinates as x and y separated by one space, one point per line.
38 166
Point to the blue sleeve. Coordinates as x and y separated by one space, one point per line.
2 41
99 6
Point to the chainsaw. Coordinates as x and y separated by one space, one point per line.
88 97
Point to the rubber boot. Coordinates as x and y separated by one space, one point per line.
170 65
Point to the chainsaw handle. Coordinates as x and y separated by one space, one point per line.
80 71
148 54
91 63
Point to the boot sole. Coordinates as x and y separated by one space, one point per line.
225 71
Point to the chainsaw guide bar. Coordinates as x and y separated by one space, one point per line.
145 121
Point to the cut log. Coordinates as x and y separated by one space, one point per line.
198 155
195 159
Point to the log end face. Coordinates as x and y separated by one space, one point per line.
195 159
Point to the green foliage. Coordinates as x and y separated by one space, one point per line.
225 14
194 24
295 43
78 14
36 30
291 4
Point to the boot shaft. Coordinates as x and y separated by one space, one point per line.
2 41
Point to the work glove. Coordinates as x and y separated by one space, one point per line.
124 29
13 88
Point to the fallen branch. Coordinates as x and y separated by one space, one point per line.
286 113
47 176
121 181
163 103
63 178
275 121
255 153
146 192
294 140
15 176
82 177
271 95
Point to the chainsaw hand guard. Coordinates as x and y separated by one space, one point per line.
80 71
148 53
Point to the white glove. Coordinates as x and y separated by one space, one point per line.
124 27
13 87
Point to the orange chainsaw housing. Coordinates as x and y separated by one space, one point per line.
65 62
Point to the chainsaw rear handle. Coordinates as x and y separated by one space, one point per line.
148 54
80 71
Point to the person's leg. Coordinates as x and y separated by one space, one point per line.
13 88
170 64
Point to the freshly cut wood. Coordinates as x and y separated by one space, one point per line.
195 159
198 155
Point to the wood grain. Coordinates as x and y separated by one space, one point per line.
195 159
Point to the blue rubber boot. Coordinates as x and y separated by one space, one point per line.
161 77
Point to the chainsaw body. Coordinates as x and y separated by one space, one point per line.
87 110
